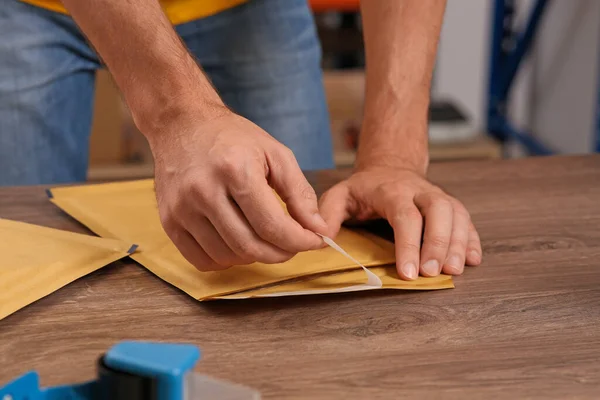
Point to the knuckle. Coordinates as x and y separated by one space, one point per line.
207 266
430 197
230 168
473 231
230 163
243 260
176 206
461 212
438 241
268 230
409 246
441 202
407 213
287 154
307 193
224 263
194 192
248 250
459 241
277 258
170 226
379 191
202 267
386 192
197 259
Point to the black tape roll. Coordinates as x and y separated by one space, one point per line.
120 385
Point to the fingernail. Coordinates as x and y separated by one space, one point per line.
431 268
453 264
319 220
409 270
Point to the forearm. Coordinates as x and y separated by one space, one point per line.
158 77
401 40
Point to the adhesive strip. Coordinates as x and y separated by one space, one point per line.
373 281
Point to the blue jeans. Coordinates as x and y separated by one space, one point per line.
263 57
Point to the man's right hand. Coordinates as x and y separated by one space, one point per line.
215 171
214 185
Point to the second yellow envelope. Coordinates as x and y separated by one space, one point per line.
36 261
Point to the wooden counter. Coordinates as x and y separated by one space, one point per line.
526 324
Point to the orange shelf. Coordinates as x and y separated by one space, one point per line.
334 5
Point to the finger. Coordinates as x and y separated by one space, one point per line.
474 251
232 226
192 251
290 183
455 260
268 218
209 239
438 213
334 208
408 224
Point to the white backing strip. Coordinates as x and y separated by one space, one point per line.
373 281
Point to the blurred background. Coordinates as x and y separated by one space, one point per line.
512 79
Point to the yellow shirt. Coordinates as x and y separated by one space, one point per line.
178 11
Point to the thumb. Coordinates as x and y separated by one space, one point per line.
334 207
300 198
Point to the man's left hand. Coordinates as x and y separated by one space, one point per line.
417 210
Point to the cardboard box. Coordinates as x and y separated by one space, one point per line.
106 140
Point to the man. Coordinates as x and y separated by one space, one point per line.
219 151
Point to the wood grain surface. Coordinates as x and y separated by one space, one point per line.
526 324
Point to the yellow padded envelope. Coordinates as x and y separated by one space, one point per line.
128 211
388 275
36 261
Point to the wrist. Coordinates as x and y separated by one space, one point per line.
173 94
416 161
401 143
394 131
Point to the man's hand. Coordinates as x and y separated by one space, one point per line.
215 171
214 184
401 41
417 210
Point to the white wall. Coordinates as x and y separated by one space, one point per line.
554 95
461 69
564 85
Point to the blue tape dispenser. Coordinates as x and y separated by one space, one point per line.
136 371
